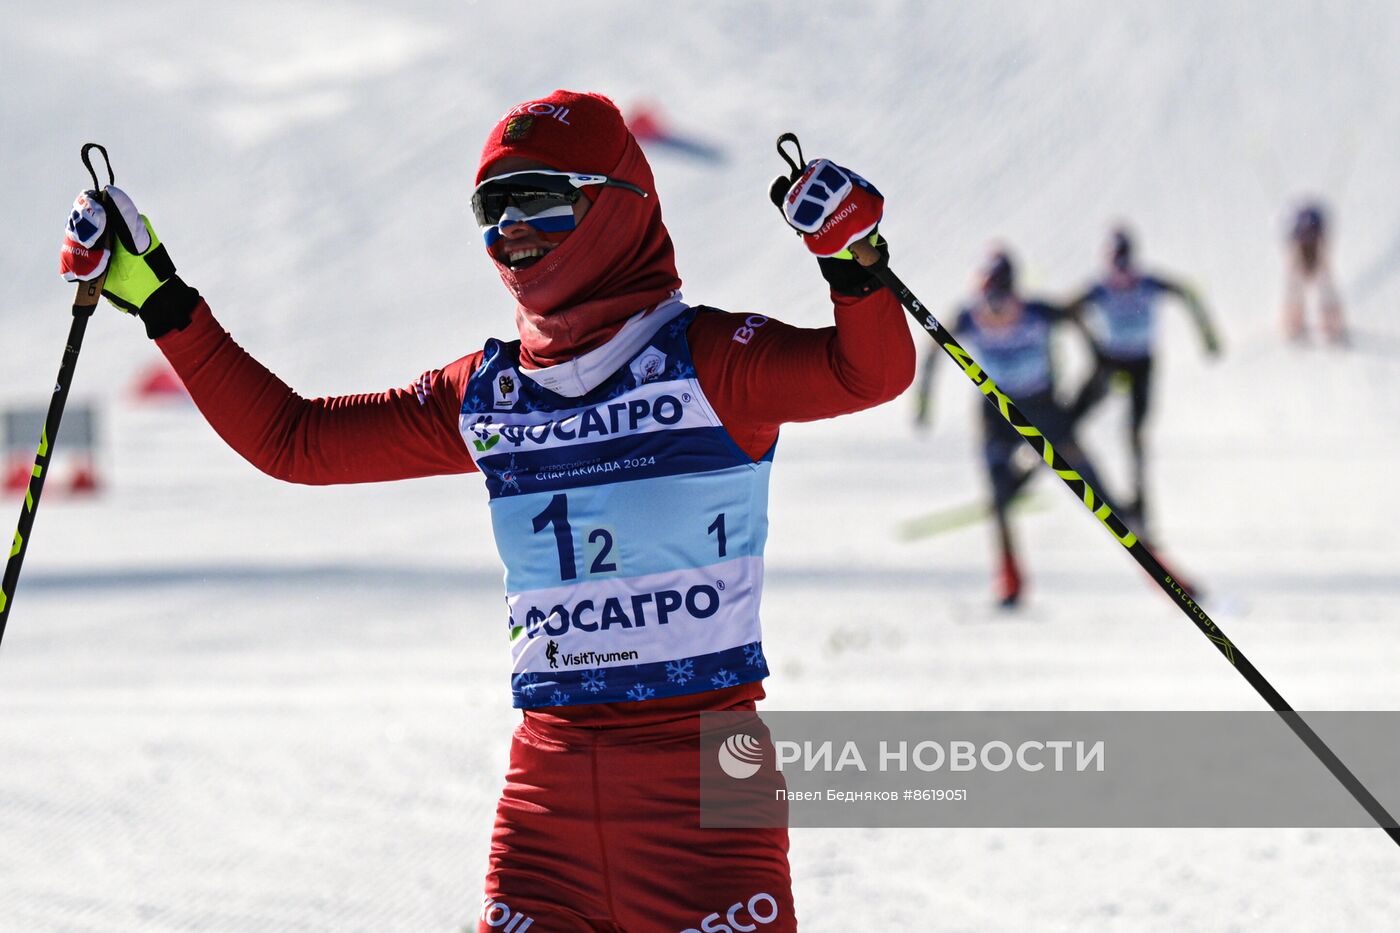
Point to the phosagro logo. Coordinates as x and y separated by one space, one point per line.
700 602
761 908
740 756
483 438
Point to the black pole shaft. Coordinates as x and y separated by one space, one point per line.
84 302
88 293
1145 558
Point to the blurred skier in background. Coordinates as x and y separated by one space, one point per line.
1309 269
1120 311
1010 337
626 439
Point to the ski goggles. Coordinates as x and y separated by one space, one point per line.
542 198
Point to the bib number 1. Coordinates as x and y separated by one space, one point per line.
557 514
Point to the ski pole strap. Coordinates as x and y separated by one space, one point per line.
869 257
86 154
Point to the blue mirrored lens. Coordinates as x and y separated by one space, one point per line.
557 222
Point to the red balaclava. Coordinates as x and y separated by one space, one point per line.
618 262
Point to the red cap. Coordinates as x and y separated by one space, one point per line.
568 130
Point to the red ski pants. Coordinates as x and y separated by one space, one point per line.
599 830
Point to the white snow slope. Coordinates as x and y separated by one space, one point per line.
228 704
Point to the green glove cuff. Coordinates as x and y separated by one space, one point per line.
848 277
873 240
132 278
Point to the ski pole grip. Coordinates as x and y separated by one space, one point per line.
89 292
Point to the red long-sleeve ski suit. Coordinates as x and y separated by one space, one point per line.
598 826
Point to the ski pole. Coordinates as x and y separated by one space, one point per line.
83 305
870 257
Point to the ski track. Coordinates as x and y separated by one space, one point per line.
236 705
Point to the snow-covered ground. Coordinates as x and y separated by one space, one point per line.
228 704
